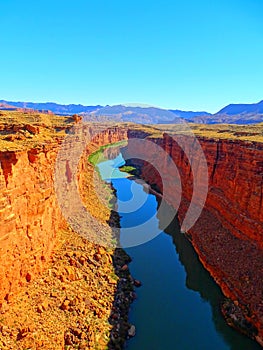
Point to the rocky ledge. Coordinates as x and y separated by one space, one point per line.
80 302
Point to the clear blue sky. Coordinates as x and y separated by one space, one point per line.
191 55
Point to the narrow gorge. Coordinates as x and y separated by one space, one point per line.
227 236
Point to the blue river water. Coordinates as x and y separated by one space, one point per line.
177 306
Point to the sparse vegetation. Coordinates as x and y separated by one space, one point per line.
98 157
253 133
128 169
21 131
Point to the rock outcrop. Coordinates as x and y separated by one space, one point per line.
30 216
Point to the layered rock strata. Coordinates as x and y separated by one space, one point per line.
228 236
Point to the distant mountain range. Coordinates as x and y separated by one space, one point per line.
137 114
234 114
53 107
234 109
188 114
231 114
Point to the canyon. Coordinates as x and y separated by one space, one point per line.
227 236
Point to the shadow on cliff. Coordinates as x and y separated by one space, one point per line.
199 280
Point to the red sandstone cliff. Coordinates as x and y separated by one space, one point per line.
72 302
29 212
30 217
235 171
228 235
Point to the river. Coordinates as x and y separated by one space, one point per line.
177 306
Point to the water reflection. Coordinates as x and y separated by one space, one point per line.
199 280
178 304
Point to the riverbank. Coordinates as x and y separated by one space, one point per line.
99 199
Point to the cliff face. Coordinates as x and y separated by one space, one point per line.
29 211
75 296
228 235
88 178
30 217
235 191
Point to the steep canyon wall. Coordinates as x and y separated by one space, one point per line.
30 216
29 211
228 236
